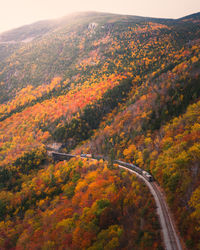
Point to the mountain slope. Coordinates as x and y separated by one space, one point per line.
60 48
126 87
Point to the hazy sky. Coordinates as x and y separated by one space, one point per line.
15 13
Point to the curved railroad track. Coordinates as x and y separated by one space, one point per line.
173 239
170 237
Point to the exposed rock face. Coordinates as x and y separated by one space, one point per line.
92 26
55 146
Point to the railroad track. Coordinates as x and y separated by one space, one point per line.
170 237
174 243
171 240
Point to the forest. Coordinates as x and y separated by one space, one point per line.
126 88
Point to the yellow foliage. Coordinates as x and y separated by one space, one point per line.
91 176
129 152
195 151
80 186
140 161
195 203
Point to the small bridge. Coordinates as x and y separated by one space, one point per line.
61 156
171 238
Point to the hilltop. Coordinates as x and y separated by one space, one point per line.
122 86
34 54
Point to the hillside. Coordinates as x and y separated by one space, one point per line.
125 87
34 54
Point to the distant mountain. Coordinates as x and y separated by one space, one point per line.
39 29
34 54
195 16
29 32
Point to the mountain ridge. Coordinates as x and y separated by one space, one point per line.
46 51
53 23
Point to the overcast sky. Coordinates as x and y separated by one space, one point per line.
15 13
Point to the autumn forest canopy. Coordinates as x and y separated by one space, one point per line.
123 87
